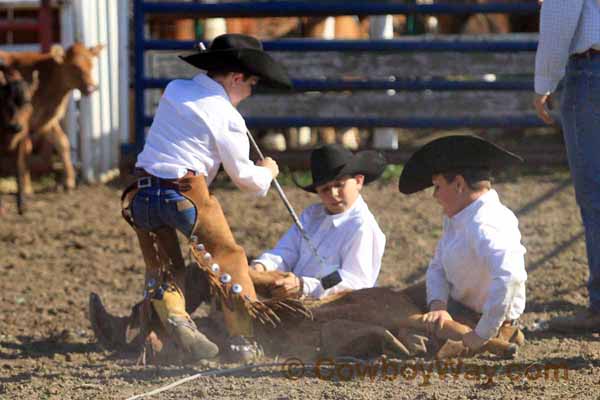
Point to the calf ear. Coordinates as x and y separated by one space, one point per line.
58 53
95 50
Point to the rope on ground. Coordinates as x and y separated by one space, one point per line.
213 372
217 372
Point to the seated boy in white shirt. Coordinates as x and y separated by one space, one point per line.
344 233
478 264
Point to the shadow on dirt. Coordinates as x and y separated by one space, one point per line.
29 348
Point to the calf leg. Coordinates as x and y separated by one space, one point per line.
454 332
23 174
349 338
62 145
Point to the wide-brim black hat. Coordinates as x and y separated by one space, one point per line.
333 161
452 154
241 53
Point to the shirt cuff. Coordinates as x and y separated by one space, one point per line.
270 265
433 295
544 86
311 287
264 180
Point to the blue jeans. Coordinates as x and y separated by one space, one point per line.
580 112
153 208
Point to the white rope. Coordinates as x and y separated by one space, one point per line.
223 372
201 374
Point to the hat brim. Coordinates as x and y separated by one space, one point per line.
252 61
369 163
452 153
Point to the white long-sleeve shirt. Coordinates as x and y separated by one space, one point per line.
566 27
350 242
479 262
197 128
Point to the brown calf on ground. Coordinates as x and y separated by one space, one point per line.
59 73
361 323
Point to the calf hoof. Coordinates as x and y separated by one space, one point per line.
394 345
70 184
511 334
110 331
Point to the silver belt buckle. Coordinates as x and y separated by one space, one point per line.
144 182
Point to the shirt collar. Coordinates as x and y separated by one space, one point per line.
464 216
211 85
338 219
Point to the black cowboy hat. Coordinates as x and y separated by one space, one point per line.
333 161
241 53
452 154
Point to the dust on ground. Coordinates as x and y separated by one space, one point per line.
69 244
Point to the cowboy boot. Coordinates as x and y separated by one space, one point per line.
225 262
511 334
169 304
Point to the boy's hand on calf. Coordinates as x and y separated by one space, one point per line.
434 319
287 286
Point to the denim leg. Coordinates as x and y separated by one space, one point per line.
591 222
154 207
177 212
580 111
145 209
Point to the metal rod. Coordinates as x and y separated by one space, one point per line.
288 205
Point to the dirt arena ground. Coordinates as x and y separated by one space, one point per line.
71 244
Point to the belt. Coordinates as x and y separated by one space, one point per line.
589 53
146 180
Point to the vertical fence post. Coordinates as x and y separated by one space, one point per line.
382 27
139 74
124 58
114 45
105 77
67 38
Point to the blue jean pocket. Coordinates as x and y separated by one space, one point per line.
180 213
140 211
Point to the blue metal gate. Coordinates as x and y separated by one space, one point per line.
295 8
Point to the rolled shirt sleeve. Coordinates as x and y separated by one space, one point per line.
234 150
437 285
505 258
285 254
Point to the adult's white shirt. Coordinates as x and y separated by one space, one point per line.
197 128
479 262
350 242
566 27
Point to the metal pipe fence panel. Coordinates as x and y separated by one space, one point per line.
333 8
